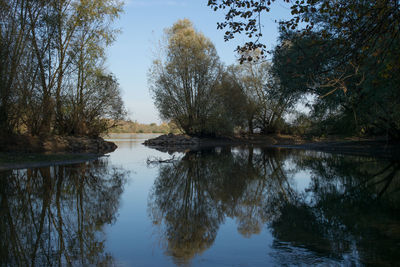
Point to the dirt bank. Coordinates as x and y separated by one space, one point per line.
23 151
354 146
55 144
180 143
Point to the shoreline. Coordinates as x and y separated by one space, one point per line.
78 152
361 147
24 151
34 160
352 148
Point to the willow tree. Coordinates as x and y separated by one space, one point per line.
185 80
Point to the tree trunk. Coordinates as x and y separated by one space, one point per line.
47 111
251 126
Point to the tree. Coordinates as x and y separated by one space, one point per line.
13 42
267 101
46 49
232 105
359 22
240 76
90 90
344 53
96 109
184 83
357 89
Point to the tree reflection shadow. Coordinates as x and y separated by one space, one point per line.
346 207
192 197
350 212
54 216
183 199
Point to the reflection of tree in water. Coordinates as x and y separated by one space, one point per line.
192 197
182 198
54 215
350 212
347 214
264 181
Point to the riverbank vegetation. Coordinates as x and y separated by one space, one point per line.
53 80
342 54
334 71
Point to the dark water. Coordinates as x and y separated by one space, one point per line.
217 207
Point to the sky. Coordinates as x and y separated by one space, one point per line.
142 25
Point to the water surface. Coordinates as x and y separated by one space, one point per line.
224 206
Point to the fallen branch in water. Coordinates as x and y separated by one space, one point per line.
156 160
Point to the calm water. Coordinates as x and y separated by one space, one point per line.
218 207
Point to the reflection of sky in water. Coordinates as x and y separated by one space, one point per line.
130 239
134 240
242 207
301 178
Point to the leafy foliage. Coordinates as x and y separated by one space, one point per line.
344 53
267 101
52 74
186 84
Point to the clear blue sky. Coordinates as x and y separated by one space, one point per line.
142 25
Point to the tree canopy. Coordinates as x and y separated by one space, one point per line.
185 82
344 53
52 75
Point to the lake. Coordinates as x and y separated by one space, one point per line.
222 206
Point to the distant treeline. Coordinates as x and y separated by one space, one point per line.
136 127
52 74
